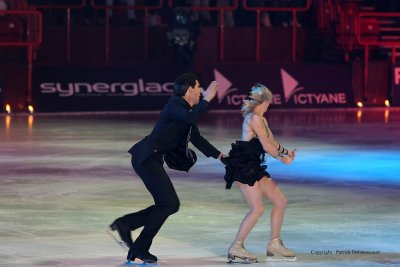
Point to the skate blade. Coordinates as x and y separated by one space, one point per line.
111 234
280 258
137 262
241 261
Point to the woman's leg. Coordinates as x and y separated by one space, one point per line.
271 190
253 197
275 246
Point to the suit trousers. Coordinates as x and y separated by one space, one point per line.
166 202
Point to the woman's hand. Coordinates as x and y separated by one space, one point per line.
287 160
292 153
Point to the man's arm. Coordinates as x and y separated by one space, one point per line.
177 111
203 145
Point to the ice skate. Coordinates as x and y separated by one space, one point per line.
124 239
115 238
138 262
276 251
144 259
237 250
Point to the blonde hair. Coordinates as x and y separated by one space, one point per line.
258 94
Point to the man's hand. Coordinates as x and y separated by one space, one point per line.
211 91
223 158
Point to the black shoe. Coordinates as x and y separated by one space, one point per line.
146 257
123 231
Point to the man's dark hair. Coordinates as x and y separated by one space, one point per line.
183 82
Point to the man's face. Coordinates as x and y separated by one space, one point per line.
195 96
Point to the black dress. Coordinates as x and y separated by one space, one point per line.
244 163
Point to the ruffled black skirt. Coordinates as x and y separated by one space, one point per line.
244 163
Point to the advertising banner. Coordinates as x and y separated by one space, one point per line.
293 86
105 88
102 88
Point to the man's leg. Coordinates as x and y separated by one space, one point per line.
166 201
129 222
136 219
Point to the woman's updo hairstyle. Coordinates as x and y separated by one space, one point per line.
258 94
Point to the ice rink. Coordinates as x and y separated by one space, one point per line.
64 177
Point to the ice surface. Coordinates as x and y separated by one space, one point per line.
63 178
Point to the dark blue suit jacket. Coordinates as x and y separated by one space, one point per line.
171 130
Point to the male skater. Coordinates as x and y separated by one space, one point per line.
176 126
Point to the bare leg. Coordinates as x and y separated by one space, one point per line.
253 196
275 246
278 199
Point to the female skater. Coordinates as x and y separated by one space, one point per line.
244 166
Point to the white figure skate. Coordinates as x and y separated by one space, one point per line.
237 250
276 251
